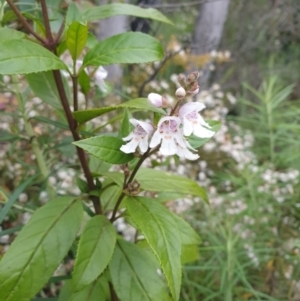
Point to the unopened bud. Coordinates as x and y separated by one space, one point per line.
194 89
158 100
180 93
181 79
192 77
155 99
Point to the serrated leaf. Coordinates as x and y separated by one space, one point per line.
43 85
105 148
39 248
187 233
161 231
23 57
124 48
197 142
115 9
10 34
98 290
138 104
156 180
76 38
95 249
134 275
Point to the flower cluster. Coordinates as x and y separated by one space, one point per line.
182 121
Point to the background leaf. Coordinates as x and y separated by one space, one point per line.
115 9
138 104
43 85
95 249
14 196
124 48
161 231
105 148
23 57
76 38
73 14
134 275
39 248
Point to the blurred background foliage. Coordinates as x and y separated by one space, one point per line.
250 231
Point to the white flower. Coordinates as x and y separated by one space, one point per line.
193 122
138 137
100 75
169 134
184 152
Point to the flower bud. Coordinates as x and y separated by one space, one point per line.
158 100
192 77
155 99
181 79
180 93
193 89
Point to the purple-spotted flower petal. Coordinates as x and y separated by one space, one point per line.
193 123
169 135
139 137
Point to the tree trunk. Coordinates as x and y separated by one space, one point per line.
208 30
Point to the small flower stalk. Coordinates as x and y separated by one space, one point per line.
171 133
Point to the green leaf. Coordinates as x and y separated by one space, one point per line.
189 253
124 48
125 125
106 148
84 82
91 41
10 34
95 249
43 85
161 231
73 14
196 142
76 38
39 248
187 233
156 180
115 9
12 199
23 57
109 196
140 104
134 275
8 16
96 291
7 136
65 291
82 185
